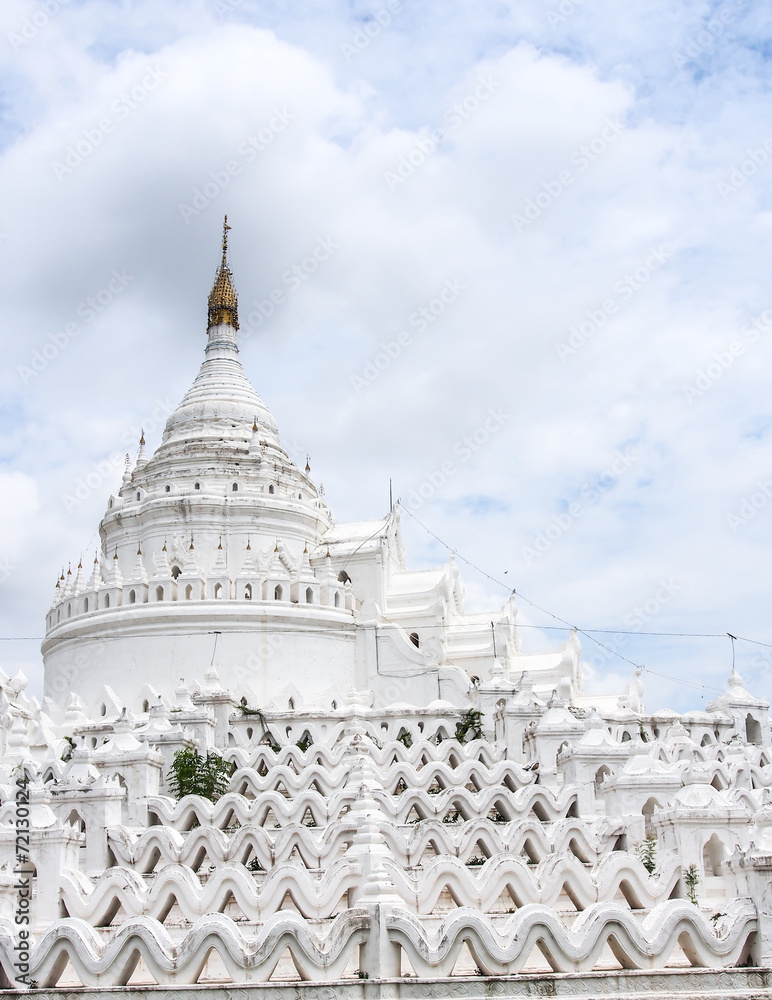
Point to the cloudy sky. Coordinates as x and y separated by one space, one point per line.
514 256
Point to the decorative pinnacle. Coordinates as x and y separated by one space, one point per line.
223 301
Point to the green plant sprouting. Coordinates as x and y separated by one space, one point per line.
470 722
646 852
193 774
691 881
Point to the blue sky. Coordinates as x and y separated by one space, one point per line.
593 179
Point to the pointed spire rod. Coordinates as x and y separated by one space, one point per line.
225 229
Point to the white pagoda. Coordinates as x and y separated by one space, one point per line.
412 806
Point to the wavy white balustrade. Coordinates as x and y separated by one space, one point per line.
257 896
98 962
159 846
503 950
482 887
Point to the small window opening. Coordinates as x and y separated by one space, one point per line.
248 592
278 593
132 597
270 488
138 494
415 640
235 487
159 593
752 730
168 489
309 596
197 486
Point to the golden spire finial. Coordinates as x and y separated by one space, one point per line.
223 301
225 228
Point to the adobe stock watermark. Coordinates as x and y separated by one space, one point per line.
739 175
636 620
247 150
564 10
223 8
86 312
32 26
426 145
363 37
624 289
292 279
101 475
64 681
463 450
581 158
121 108
419 320
722 361
105 471
24 873
708 35
588 495
750 506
